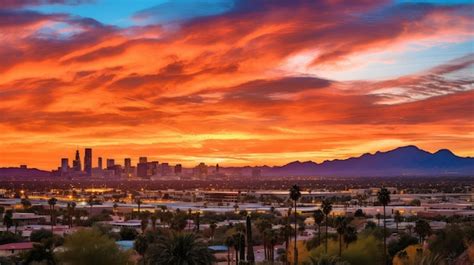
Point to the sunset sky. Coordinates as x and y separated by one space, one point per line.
247 82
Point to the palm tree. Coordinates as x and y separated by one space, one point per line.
213 227
198 221
239 246
179 248
144 224
262 226
154 218
91 201
341 225
285 234
423 229
250 254
318 216
73 210
8 219
383 197
52 202
410 228
326 206
138 201
229 242
295 195
397 218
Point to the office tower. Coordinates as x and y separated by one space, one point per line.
110 163
127 167
99 162
76 164
200 170
165 169
178 169
142 159
217 168
142 170
64 165
153 168
88 161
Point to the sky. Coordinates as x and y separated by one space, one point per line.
234 82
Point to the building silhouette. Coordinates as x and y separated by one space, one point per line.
76 164
88 161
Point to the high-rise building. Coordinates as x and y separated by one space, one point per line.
64 165
127 162
142 170
110 163
76 164
142 159
200 171
165 169
178 168
88 161
99 162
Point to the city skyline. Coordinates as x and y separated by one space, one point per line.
233 82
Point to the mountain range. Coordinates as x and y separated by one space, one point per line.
402 161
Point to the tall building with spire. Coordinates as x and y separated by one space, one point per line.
76 164
88 161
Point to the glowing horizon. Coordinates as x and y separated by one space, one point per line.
244 82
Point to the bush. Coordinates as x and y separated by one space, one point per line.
127 233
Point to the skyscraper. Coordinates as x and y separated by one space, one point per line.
88 161
64 165
110 163
142 159
99 162
127 167
76 164
178 168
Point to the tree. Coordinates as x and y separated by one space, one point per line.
179 221
318 216
144 224
398 218
239 246
213 227
179 248
295 195
229 242
423 229
138 201
52 202
262 225
40 235
8 219
127 233
383 197
341 225
285 234
40 254
89 246
350 235
91 202
73 212
250 254
154 218
326 206
25 203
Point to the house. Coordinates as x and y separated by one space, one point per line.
14 248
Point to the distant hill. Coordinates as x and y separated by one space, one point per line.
402 161
23 172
